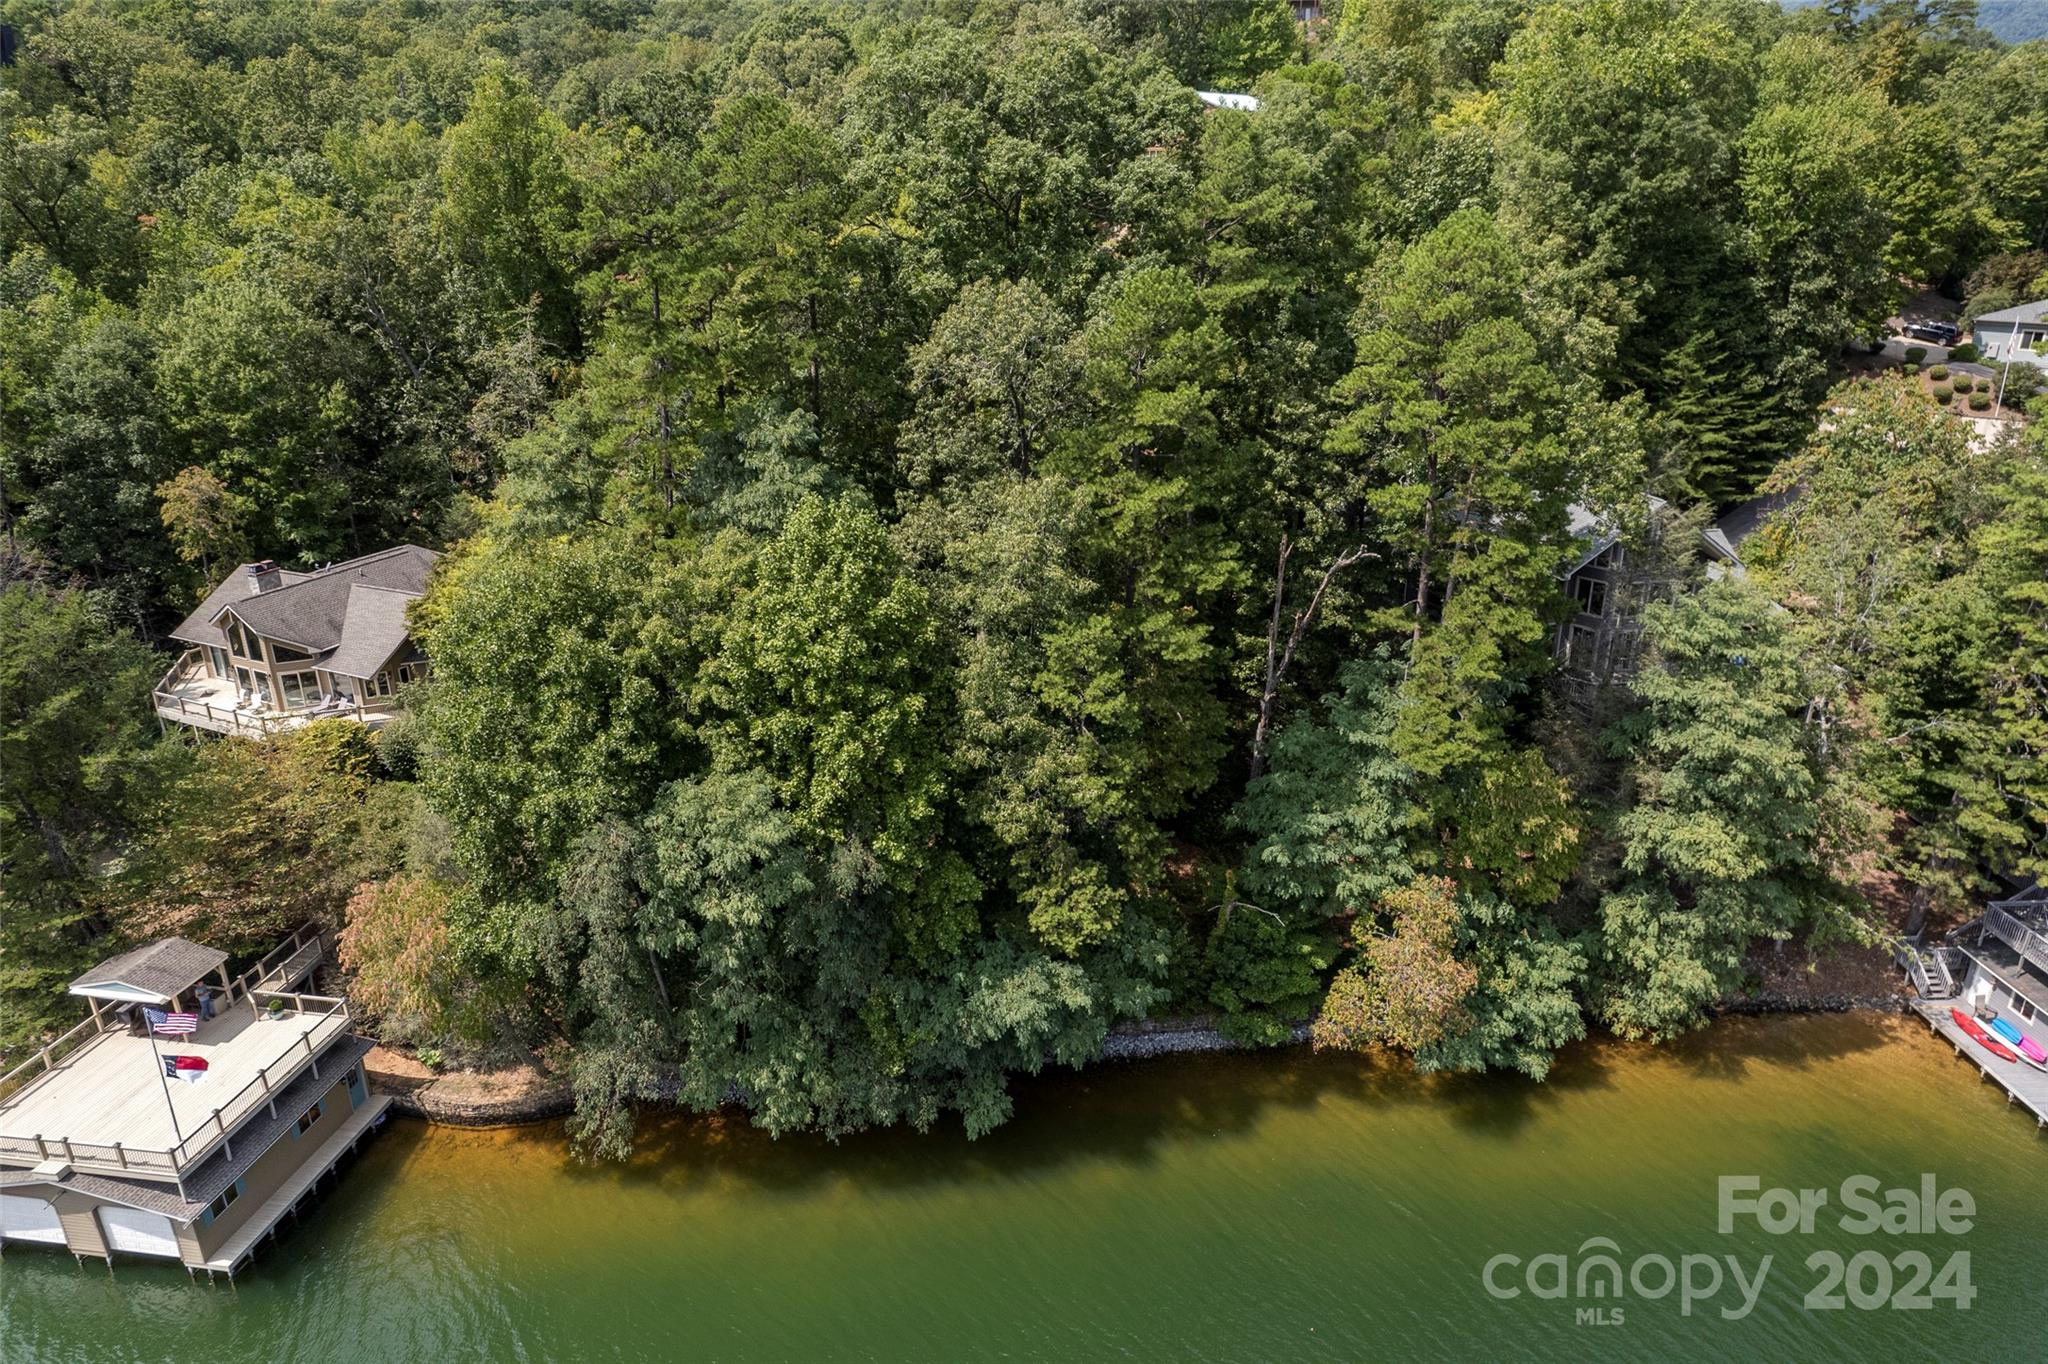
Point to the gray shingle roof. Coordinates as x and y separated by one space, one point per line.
1745 519
2037 311
162 968
323 613
311 613
372 630
255 1136
198 628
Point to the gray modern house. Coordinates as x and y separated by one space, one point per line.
2014 334
271 648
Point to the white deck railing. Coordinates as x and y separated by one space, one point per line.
46 1059
2031 946
170 1163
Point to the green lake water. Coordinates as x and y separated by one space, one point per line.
1282 1206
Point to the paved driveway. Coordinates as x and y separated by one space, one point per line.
1895 351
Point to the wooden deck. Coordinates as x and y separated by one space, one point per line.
2023 1085
288 972
264 1220
113 1090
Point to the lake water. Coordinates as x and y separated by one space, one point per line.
1273 1207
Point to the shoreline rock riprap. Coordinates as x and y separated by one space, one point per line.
507 1098
529 1095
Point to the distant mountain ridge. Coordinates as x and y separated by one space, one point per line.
2011 21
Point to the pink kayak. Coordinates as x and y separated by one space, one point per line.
2026 1045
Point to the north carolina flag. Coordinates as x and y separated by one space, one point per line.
190 1069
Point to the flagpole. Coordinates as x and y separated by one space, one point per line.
177 1134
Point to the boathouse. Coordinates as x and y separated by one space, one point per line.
188 1114
1995 969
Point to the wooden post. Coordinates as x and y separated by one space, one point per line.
120 1155
67 1149
42 1149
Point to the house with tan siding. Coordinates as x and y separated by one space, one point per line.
271 648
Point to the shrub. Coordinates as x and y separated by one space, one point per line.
1964 353
396 942
1942 393
1915 354
398 748
1264 975
1912 369
1937 372
1964 383
1979 401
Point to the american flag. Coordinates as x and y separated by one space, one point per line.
172 1024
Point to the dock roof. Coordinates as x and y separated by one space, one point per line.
153 973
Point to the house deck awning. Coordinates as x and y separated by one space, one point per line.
155 973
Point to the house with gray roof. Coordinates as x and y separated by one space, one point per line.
271 648
1599 640
2014 334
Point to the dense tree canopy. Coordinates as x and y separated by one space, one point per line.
954 543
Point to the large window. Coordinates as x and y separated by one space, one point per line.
300 689
245 681
244 643
220 661
380 685
1591 594
285 655
409 673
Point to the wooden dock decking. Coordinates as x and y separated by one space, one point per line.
242 1244
2023 1085
113 1090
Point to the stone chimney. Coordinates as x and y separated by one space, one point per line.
263 577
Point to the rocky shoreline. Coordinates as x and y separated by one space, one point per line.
510 1098
1895 1003
1177 1036
528 1095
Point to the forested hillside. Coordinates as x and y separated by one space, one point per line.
953 542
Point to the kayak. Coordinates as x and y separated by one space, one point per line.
1982 1038
2027 1047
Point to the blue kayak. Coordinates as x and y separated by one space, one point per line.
2028 1047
